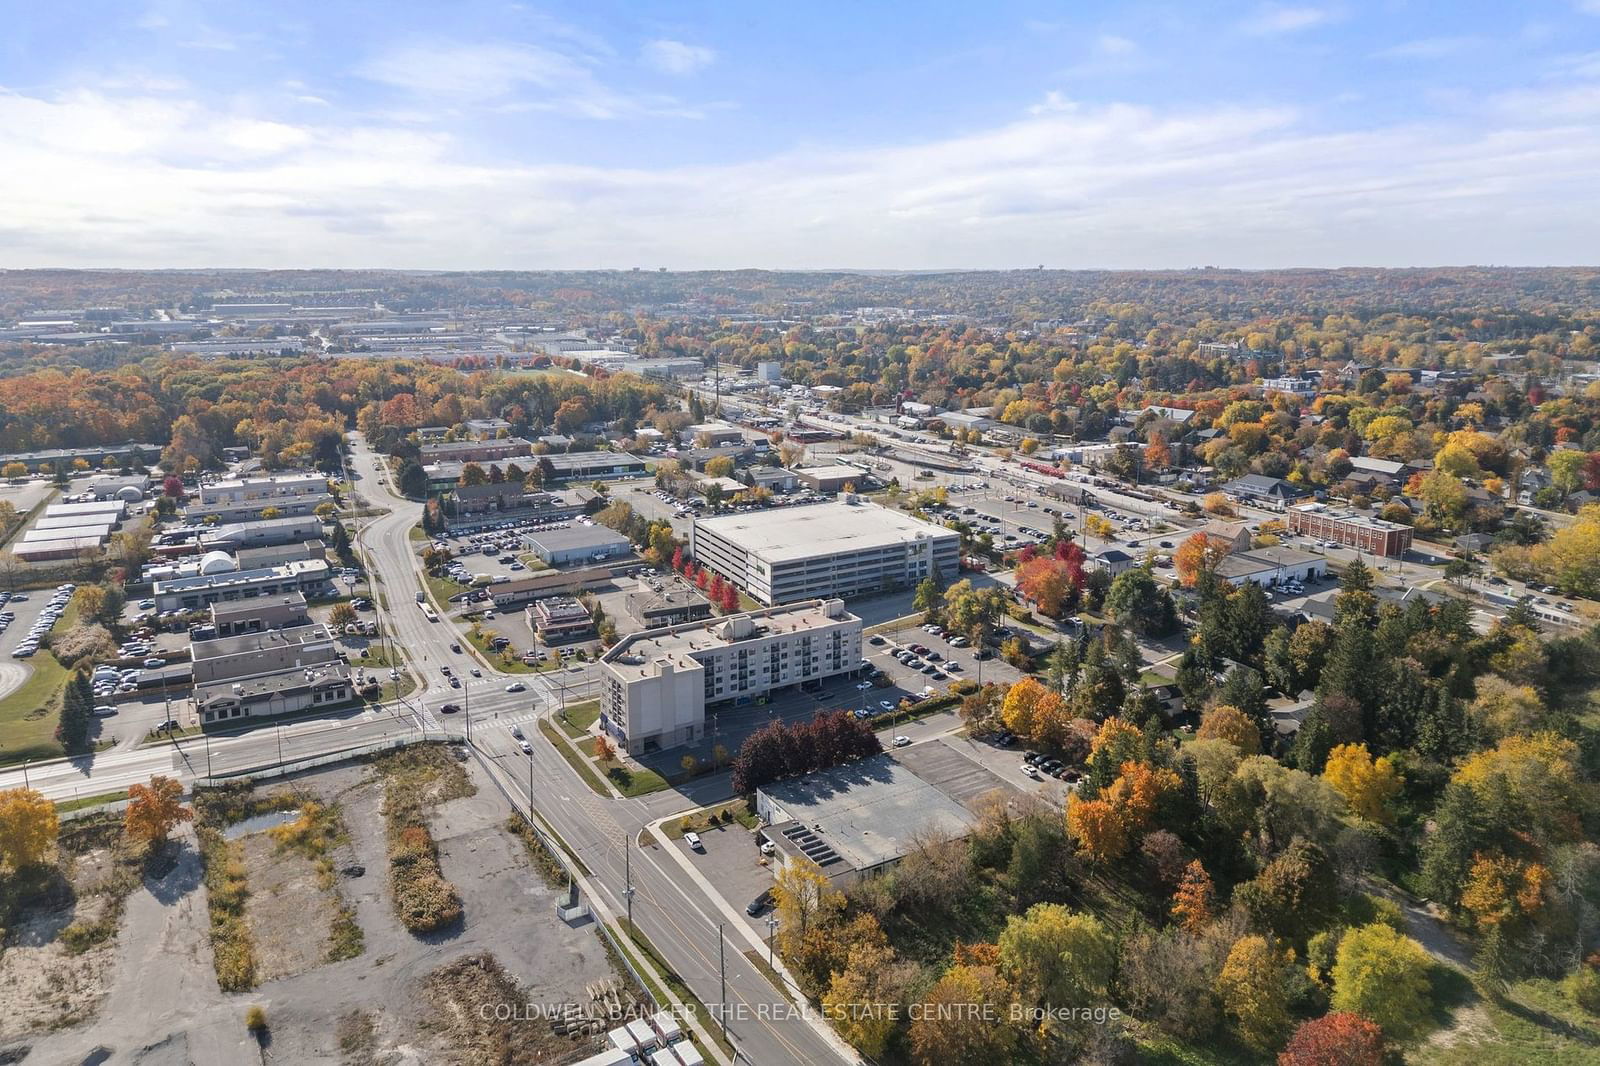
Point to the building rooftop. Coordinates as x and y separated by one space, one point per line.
1259 560
820 529
834 470
640 655
577 535
1345 514
865 813
227 610
577 460
314 635
241 577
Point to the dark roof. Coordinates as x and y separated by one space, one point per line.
1261 485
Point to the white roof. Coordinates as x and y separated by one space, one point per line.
823 529
94 531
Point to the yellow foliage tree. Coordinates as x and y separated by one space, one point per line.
1367 785
1194 901
1501 890
1032 711
1227 722
1099 827
154 809
1253 987
1541 771
28 827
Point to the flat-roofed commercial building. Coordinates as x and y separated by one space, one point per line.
267 531
655 686
273 672
39 551
586 466
1351 529
251 510
848 548
577 542
830 479
476 451
258 615
112 509
311 578
858 819
269 487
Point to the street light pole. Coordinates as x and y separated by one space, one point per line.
627 878
722 978
772 934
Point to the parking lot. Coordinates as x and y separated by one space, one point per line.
731 860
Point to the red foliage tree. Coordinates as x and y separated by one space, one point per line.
173 486
730 598
1338 1039
677 558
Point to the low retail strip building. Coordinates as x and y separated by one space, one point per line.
655 686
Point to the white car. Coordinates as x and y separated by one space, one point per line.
516 686
886 705
1030 770
901 741
527 749
693 840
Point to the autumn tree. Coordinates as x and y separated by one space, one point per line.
1255 991
1502 891
154 809
1337 1039
342 615
1384 977
1194 902
1032 711
28 828
860 997
965 1020
1216 503
1199 554
1226 722
1368 785
1057 956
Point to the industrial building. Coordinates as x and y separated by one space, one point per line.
261 533
858 819
224 513
845 548
258 615
1351 529
830 479
586 466
309 577
711 434
269 673
1271 566
129 487
268 487
577 542
514 594
476 451
655 686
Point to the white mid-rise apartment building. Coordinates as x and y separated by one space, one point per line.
846 548
655 686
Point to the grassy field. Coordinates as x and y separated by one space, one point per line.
81 802
576 719
512 665
628 781
701 821
1532 1022
584 767
28 717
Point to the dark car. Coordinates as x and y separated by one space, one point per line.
759 904
875 640
450 708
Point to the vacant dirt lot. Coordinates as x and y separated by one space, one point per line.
404 999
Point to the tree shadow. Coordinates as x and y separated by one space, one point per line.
172 871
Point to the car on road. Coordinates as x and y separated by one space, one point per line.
693 840
450 708
516 731
527 749
455 682
104 710
901 741
516 686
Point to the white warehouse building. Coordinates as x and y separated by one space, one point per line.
655 686
845 548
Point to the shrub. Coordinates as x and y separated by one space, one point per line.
424 901
1583 988
255 1019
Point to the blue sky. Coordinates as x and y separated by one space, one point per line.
696 135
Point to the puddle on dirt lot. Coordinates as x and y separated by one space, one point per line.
270 820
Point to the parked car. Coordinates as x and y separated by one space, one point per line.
757 905
154 664
693 840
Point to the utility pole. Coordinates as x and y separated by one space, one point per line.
772 934
722 977
278 728
627 878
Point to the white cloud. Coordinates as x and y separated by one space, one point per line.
1109 44
1588 7
677 58
511 77
1426 48
1273 19
99 179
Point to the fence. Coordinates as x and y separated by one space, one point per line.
283 769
